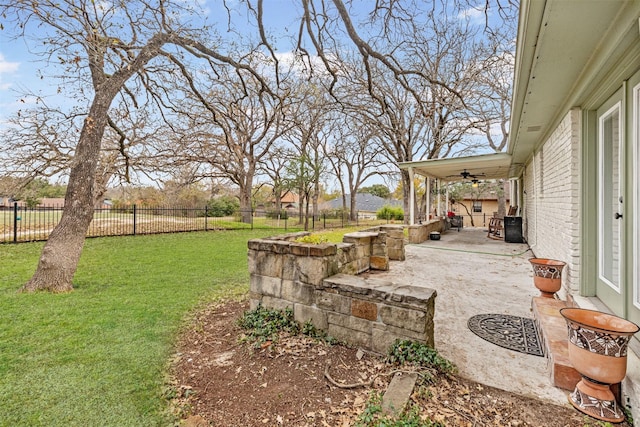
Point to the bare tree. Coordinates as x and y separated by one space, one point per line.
134 53
242 122
273 166
354 156
114 51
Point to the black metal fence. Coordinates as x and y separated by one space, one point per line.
19 223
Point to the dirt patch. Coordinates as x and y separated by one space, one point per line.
223 382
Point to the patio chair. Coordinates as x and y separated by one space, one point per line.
496 224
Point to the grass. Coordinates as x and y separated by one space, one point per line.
335 235
98 355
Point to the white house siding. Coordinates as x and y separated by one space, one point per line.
551 212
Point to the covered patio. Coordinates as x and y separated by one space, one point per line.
458 169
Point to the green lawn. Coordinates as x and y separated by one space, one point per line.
98 356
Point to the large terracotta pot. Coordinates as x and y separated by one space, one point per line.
547 275
598 351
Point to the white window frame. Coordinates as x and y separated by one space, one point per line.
636 195
617 106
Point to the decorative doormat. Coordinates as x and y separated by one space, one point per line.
512 332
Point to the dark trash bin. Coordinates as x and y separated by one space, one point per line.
513 229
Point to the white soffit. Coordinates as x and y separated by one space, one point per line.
486 166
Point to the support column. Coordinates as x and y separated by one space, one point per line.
428 190
412 201
439 201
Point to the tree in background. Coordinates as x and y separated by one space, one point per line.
379 190
303 173
107 54
120 59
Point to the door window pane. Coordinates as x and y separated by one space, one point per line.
610 192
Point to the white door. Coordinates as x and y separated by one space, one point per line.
609 286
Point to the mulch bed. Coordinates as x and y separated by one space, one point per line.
221 381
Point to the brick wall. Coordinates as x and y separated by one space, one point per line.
551 211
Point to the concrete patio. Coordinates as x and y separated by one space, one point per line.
474 274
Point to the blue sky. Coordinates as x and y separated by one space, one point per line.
20 70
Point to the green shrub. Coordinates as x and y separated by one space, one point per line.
374 416
275 214
406 351
222 206
390 212
264 325
314 239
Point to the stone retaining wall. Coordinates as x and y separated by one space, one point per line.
419 233
320 284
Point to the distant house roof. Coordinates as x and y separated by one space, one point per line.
364 202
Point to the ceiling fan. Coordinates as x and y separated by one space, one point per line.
465 174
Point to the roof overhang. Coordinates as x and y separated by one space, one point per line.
485 166
563 50
563 47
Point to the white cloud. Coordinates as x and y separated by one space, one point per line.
474 14
7 67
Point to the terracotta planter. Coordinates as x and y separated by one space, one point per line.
598 351
547 275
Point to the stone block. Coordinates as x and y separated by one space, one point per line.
360 238
265 263
425 337
396 254
362 265
399 392
313 270
379 263
404 318
363 251
253 244
323 250
333 302
289 267
265 285
304 313
393 231
349 322
364 309
297 292
349 336
281 247
299 249
254 303
275 303
349 268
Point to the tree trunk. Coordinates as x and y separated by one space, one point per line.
245 205
502 203
306 210
60 255
353 209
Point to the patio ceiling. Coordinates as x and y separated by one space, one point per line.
485 166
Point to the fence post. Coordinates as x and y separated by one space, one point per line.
15 222
134 219
251 213
206 216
